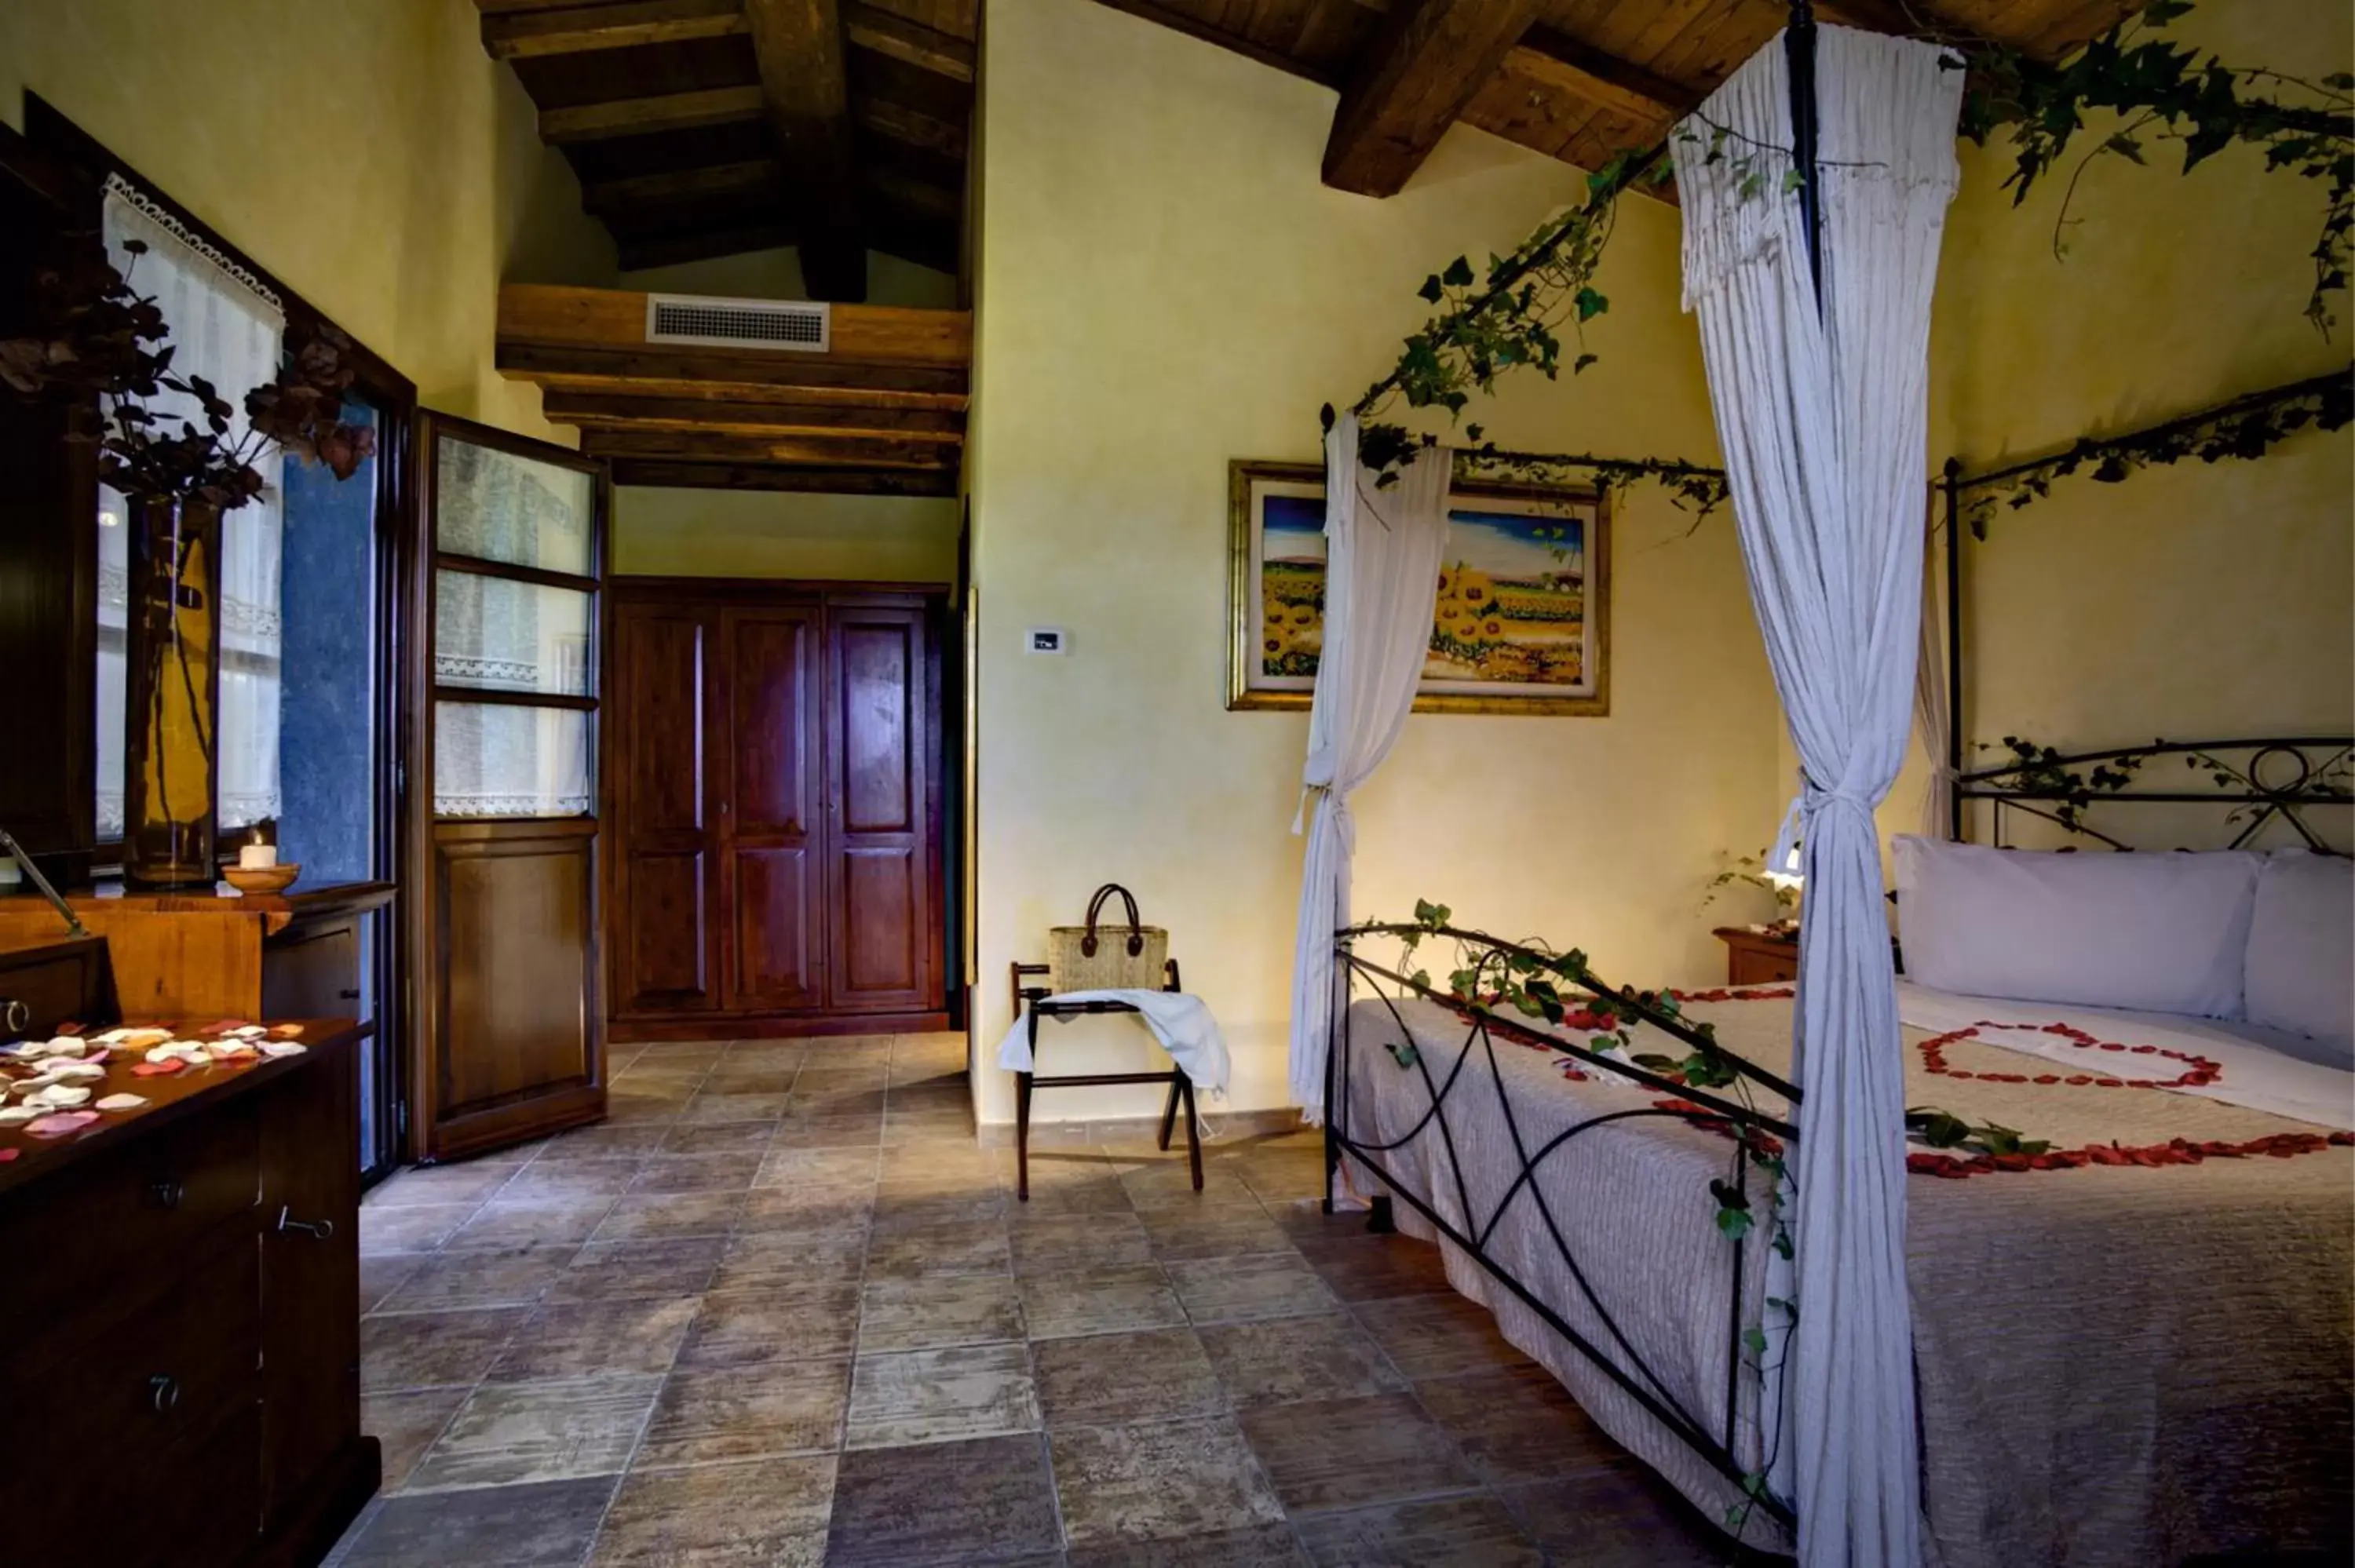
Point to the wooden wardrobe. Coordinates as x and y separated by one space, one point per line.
773 769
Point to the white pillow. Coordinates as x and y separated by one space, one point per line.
2152 931
2301 969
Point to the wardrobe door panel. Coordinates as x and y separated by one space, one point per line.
774 827
881 937
665 895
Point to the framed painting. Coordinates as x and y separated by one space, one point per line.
1523 619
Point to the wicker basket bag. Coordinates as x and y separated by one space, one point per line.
1111 958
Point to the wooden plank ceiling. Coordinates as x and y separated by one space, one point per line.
1577 79
880 412
704 128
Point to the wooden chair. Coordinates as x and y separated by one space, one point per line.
1041 1002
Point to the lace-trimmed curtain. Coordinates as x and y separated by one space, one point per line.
1822 409
230 330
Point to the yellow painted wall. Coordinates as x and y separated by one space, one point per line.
367 152
777 275
1164 285
2193 601
760 534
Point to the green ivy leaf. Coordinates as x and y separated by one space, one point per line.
1458 274
1590 303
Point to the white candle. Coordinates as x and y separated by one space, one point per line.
256 857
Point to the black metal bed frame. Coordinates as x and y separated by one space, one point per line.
1626 1368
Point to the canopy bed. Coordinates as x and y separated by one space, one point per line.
1856 1358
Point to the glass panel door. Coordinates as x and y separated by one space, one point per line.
511 1037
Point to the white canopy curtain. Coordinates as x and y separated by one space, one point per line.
1382 549
226 328
1822 412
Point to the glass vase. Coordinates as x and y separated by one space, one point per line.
172 694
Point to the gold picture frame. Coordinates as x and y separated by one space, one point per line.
1537 542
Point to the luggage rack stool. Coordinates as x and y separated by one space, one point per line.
1042 1000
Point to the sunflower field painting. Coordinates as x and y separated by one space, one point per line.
1521 618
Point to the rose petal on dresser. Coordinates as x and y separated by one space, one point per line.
60 1124
284 1048
121 1102
152 1069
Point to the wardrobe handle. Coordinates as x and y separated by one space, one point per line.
162 1392
167 1194
319 1230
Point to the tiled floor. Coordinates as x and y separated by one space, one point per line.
782 1309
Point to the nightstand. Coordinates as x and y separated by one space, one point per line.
1753 958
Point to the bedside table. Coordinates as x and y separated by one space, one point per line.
1752 957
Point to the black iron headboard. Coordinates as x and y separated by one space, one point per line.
2258 782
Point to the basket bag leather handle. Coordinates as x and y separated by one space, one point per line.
1136 926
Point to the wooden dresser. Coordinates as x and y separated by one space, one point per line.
1755 957
180 1307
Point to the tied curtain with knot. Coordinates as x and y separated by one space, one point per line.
1382 549
1821 406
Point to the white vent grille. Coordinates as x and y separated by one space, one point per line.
797 325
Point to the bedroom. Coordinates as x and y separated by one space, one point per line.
1162 286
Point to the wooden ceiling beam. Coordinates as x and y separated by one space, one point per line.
793 452
909 43
1411 82
606 380
606 410
560 314
672 475
579 29
1551 56
588 366
807 98
918 198
646 116
752 177
911 127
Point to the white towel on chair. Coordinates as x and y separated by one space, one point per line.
1179 1020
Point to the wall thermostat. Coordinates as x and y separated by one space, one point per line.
1047 640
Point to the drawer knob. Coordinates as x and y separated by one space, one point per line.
164 1392
168 1193
319 1230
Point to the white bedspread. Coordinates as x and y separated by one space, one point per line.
1179 1020
2257 1073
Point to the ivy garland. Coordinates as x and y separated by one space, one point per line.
2245 428
1485 328
2170 92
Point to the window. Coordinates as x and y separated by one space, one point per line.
228 328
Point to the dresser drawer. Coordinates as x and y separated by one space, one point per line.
111 1230
166 1400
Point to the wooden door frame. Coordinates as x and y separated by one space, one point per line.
940 619
416 673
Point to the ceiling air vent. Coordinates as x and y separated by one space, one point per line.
796 324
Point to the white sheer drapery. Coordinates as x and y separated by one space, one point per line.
1822 411
1930 700
1382 549
228 329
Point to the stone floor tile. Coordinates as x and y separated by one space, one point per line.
420 1228
1261 1285
1346 1453
1099 1300
1278 1360
406 1424
603 1141
696 1172
1158 1480
934 1313
936 1396
1057 1244
646 1216
469 1182
987 1501
1472 1530
540 1525
606 1271
502 1276
1436 1335
767 1512
732 1328
587 1339
1515 1423
1161 1374
499 1224
507 1434
1184 1232
430 1350
750 1411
